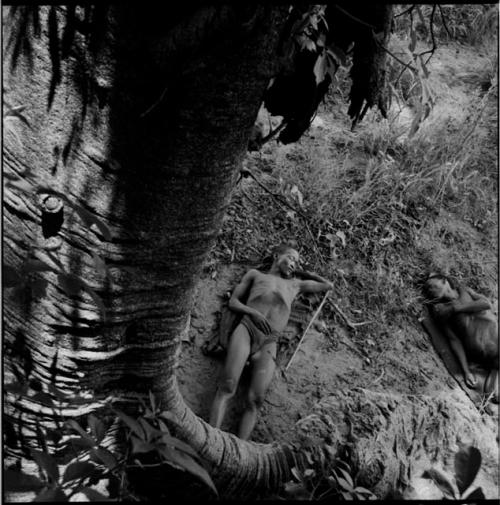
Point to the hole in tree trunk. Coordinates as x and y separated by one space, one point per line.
52 215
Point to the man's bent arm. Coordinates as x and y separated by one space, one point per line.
312 282
478 303
458 349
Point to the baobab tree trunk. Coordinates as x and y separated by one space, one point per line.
142 119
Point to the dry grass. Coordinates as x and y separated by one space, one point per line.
368 194
373 199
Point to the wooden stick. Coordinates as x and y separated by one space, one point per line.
307 329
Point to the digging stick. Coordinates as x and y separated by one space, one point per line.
307 329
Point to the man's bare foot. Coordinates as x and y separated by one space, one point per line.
470 380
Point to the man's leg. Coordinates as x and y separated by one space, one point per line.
237 355
263 365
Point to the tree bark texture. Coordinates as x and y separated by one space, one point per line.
142 119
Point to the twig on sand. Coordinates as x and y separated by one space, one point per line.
351 346
485 400
345 318
379 377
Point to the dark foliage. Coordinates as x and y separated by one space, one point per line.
295 94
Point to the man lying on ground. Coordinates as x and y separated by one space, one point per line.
467 320
265 316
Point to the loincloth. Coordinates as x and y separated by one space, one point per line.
258 338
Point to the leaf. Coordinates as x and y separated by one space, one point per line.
308 44
39 287
477 494
51 494
152 400
83 442
441 481
362 490
97 427
18 481
44 398
163 426
179 444
324 21
309 457
347 477
149 431
337 54
92 494
47 463
320 68
73 284
60 395
296 474
10 277
140 446
70 283
90 219
37 266
105 456
97 300
467 464
78 470
190 465
344 484
133 425
168 416
76 427
16 388
54 435
309 472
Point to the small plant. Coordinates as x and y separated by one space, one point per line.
467 464
148 444
330 480
152 445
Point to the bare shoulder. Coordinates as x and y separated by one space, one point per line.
251 274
